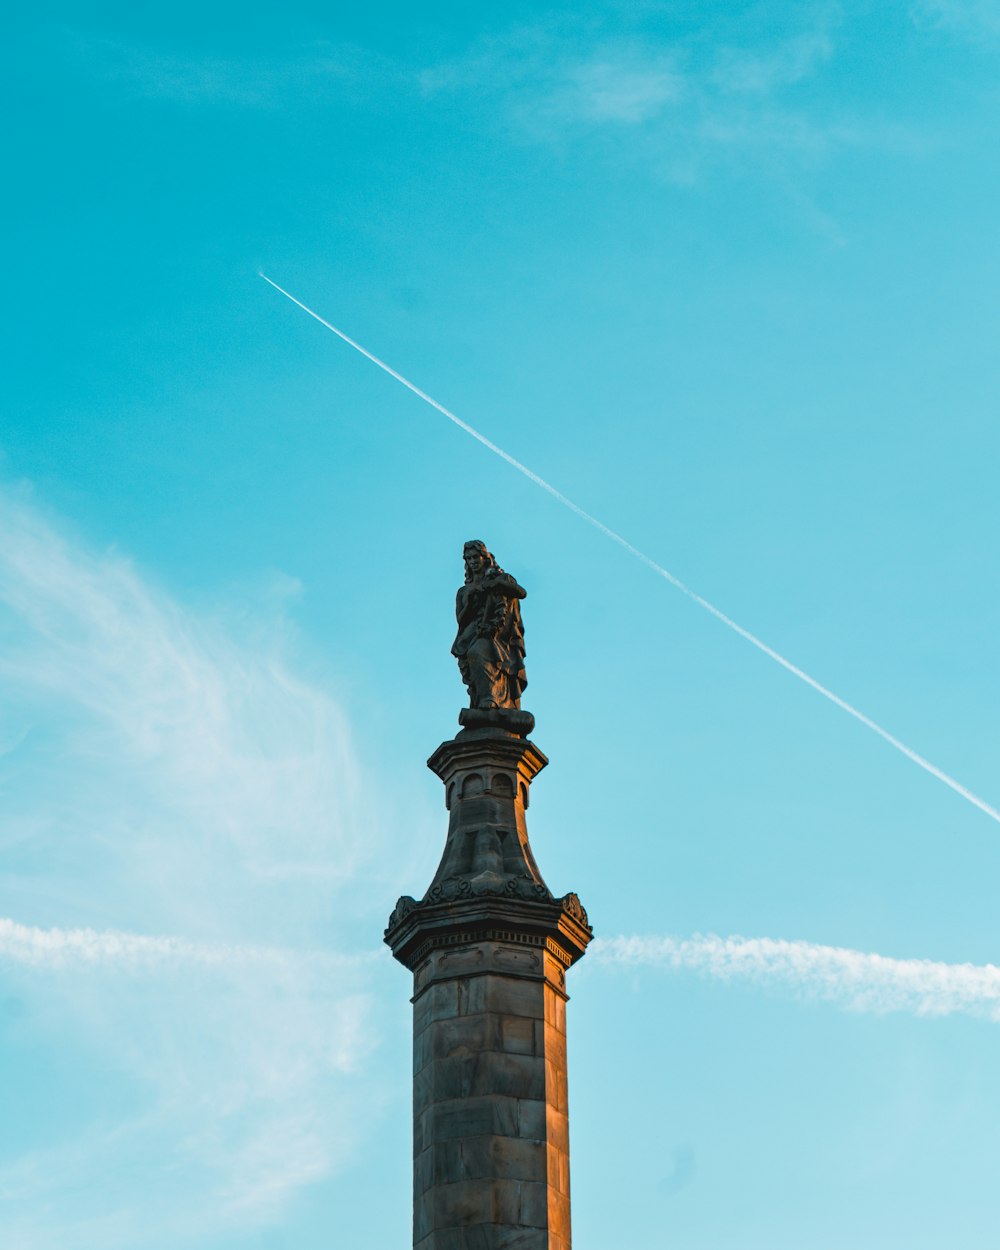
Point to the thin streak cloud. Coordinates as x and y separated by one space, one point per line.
650 563
856 980
57 949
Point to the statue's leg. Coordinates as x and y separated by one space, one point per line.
463 668
499 686
482 674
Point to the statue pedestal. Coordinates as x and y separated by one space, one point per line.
489 947
506 719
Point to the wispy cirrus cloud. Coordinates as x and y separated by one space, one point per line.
142 718
689 102
975 20
169 770
765 69
548 80
626 88
855 980
719 92
242 1080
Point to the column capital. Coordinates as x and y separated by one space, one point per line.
477 748
487 887
558 926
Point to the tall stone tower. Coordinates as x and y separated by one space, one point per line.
489 947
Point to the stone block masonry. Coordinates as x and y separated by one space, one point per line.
490 1101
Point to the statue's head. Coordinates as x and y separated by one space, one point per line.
477 559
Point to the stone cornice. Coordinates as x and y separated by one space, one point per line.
472 751
560 925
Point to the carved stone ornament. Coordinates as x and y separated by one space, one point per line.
487 885
404 905
571 904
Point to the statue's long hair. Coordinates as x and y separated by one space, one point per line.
487 556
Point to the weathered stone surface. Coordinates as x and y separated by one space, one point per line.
557 1168
490 1072
557 1128
491 1130
515 1203
476 1158
489 1237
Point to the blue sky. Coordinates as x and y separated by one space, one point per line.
723 273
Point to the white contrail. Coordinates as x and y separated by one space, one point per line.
56 949
719 615
857 980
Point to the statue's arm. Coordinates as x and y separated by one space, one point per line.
465 606
502 583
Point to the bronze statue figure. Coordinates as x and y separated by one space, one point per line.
489 645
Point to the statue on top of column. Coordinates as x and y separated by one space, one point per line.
489 645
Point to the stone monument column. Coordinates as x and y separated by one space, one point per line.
489 947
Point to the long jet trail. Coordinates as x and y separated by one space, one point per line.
650 563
